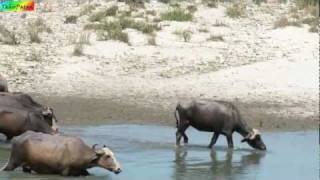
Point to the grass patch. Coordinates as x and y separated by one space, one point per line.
83 39
283 22
87 9
33 33
184 34
215 38
112 30
176 14
71 19
211 3
152 40
123 23
78 50
7 37
97 16
236 10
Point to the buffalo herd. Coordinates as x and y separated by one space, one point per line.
38 146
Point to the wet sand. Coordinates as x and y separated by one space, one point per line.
93 111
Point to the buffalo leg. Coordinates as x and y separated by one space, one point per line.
214 139
12 164
230 141
181 133
84 172
26 169
178 137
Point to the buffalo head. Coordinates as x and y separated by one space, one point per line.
50 118
254 140
106 159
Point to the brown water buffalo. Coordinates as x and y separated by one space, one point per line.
55 154
14 122
3 84
219 117
26 103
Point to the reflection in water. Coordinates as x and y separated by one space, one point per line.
221 167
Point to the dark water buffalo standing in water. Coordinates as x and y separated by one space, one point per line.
3 84
53 154
19 113
219 117
14 122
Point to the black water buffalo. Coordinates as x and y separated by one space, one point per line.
25 102
3 84
14 122
55 154
220 117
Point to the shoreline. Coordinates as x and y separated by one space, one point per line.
91 111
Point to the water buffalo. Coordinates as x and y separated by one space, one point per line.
25 102
55 154
14 122
220 117
3 84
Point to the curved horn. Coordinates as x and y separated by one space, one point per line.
255 132
94 146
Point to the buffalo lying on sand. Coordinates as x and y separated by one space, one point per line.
19 113
55 154
220 117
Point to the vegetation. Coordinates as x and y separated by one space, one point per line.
78 49
185 35
83 39
211 3
152 40
33 33
123 23
283 22
236 10
215 38
7 37
177 14
71 19
35 28
112 30
99 15
87 9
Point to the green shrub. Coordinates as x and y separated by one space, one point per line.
177 14
87 9
71 19
97 16
283 22
113 31
112 11
235 10
211 3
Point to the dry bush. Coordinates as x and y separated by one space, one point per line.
7 37
236 10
